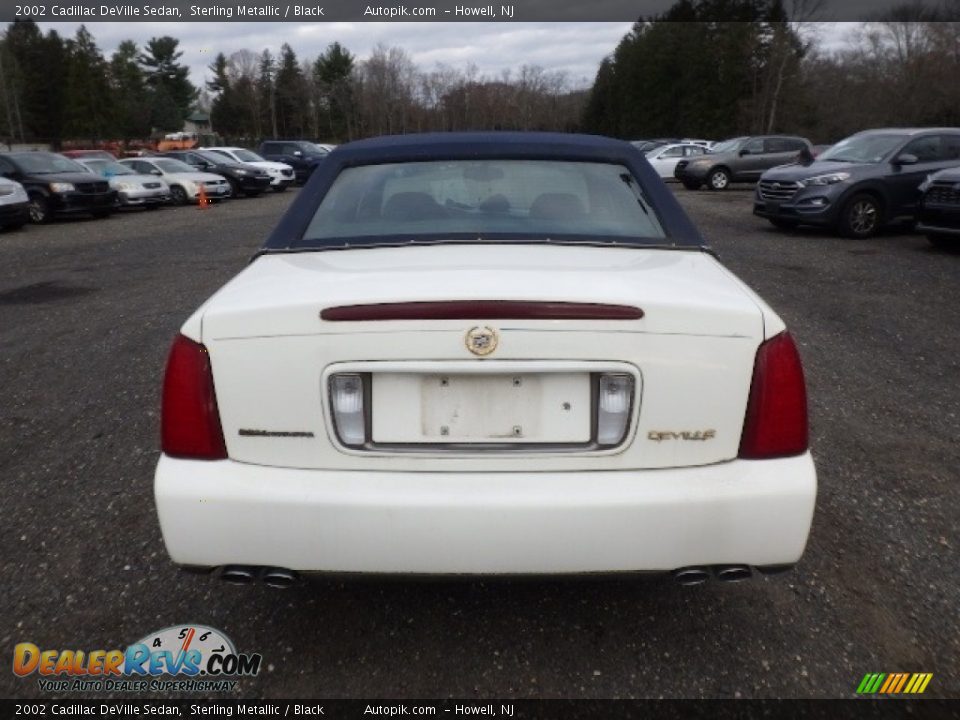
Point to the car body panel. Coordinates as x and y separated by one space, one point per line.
745 162
133 190
266 321
671 491
90 195
215 186
664 159
896 185
220 513
939 213
13 203
298 154
281 174
243 177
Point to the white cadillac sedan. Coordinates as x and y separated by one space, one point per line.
485 353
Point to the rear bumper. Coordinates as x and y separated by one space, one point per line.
742 512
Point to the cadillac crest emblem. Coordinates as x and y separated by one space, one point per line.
481 340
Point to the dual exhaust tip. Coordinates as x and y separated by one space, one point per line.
699 575
274 577
283 578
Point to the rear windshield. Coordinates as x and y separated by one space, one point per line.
484 199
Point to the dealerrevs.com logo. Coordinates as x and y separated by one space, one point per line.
199 658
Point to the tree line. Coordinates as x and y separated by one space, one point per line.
54 89
704 68
720 68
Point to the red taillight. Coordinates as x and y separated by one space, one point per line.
190 422
776 421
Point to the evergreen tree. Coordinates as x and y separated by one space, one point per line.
219 69
331 73
229 113
266 94
172 94
87 100
290 93
130 100
27 79
709 68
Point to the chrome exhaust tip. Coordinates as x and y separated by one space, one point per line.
238 574
733 573
691 576
280 578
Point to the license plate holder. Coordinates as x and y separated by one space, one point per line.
481 408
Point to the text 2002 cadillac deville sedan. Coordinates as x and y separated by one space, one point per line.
484 353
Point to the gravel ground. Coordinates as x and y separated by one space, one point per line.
87 310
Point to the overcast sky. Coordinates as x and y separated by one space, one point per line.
573 48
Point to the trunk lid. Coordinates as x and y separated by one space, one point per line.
691 353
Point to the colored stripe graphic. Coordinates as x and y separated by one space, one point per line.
894 683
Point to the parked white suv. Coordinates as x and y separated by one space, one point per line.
281 174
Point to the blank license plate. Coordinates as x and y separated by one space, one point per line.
481 408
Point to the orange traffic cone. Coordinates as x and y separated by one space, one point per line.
204 203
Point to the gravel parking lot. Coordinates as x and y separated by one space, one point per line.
87 310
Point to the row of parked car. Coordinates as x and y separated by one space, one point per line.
855 187
39 186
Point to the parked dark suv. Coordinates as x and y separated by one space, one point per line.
742 159
939 213
861 183
58 186
301 155
244 179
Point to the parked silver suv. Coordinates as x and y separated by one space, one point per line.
742 159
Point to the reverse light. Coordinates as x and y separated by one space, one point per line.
828 179
190 421
614 401
776 421
347 403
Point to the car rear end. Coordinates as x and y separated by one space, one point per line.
508 355
640 433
